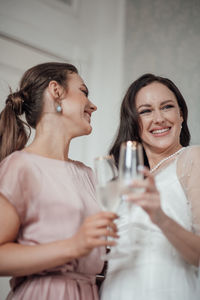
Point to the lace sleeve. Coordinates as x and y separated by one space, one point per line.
188 169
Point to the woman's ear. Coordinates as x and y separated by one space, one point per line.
55 89
181 115
181 118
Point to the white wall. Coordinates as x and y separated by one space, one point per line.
163 37
88 33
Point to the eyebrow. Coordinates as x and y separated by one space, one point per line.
162 103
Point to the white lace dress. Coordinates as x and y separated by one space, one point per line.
154 270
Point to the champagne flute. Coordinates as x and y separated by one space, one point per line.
131 157
107 185
106 175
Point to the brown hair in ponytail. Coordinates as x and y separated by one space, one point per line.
28 100
13 134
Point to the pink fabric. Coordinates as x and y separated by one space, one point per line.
52 199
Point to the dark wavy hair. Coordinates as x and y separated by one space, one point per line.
129 122
28 100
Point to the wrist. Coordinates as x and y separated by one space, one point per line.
68 250
75 248
162 220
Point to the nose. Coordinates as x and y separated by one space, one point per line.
92 106
158 117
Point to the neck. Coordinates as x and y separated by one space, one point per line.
156 155
50 141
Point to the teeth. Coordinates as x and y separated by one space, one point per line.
160 130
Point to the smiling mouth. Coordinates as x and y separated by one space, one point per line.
88 116
160 131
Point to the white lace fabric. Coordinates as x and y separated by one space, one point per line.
188 172
154 269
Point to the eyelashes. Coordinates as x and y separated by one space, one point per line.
85 92
168 106
147 111
144 111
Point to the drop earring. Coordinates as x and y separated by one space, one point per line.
59 108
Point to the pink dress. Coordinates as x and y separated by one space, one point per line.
52 198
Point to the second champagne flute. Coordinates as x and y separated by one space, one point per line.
131 157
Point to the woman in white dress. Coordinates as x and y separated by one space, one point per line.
165 218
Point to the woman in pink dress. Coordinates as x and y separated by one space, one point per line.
52 230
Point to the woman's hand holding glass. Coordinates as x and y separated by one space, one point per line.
91 231
149 199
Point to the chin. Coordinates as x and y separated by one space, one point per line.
87 130
160 145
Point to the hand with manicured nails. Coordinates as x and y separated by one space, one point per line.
149 200
93 232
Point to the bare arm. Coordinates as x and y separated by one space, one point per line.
20 260
187 243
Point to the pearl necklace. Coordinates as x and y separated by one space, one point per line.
164 159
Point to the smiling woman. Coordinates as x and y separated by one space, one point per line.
165 223
160 121
130 120
76 107
51 226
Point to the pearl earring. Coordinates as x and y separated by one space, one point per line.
58 108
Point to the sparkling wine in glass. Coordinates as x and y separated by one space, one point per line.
107 184
107 187
131 157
